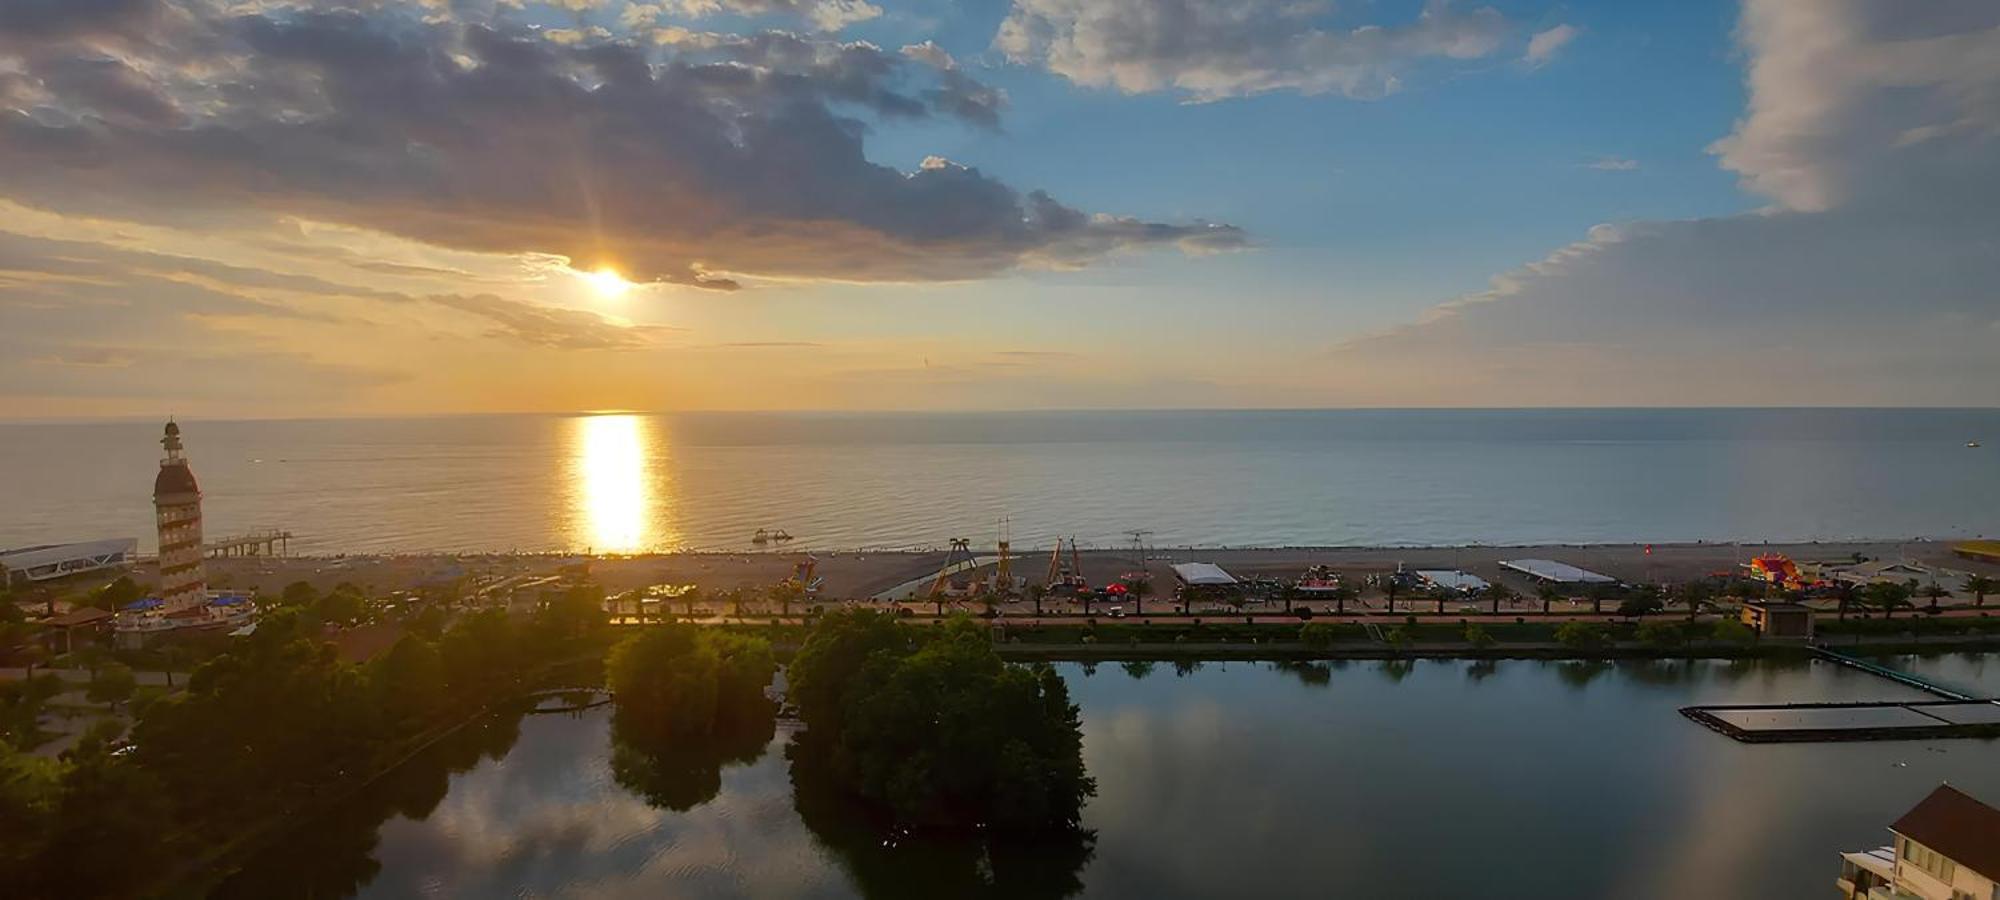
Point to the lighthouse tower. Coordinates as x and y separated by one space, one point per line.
177 505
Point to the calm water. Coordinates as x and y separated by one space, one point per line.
625 483
1426 779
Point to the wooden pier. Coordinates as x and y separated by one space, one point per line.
261 543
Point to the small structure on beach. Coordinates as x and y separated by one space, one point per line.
1779 619
1452 580
1946 847
1203 575
1549 571
1775 568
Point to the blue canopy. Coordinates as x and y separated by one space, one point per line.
148 603
228 601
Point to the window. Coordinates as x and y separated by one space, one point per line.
1925 858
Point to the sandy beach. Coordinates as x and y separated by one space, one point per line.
862 575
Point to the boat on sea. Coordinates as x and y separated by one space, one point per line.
1973 444
763 536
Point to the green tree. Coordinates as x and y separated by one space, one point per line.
1341 595
1979 586
679 680
1844 595
1935 592
1141 587
1548 595
1639 604
940 732
1318 635
1400 637
113 685
299 595
1477 636
1731 631
1662 634
1887 596
1581 636
116 595
1694 595
1499 593
409 680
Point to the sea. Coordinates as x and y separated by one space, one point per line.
629 483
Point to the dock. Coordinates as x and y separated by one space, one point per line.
1824 722
260 543
1956 714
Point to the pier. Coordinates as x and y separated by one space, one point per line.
1957 714
260 543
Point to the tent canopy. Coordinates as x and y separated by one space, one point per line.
1202 574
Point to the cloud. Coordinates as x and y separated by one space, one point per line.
1613 164
1869 101
825 15
1214 49
1544 45
90 357
552 326
695 162
1871 283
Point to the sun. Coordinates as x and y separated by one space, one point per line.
606 283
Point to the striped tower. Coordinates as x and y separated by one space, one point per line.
177 503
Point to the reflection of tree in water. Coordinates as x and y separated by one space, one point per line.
333 853
1581 672
1138 668
1397 669
1315 674
1663 672
885 863
1186 667
1481 669
682 772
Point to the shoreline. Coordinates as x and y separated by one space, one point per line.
857 574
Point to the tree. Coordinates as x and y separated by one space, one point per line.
1935 592
409 680
299 594
688 599
344 605
1140 586
1389 590
1663 634
1499 593
1318 635
1887 596
1443 594
1638 605
1477 636
118 594
1844 595
113 685
1730 631
1548 595
1400 637
1693 595
1341 594
784 593
939 733
679 680
172 656
1979 586
1582 636
1598 594
1035 593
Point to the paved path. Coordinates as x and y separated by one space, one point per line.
82 676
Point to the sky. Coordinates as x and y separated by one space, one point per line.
255 208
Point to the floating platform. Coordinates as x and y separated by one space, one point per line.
1879 721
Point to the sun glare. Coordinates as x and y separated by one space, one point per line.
606 283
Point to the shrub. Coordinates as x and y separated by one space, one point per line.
1580 635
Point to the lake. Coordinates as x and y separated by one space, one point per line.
1382 779
623 483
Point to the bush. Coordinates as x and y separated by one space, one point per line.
1304 614
1731 631
1580 635
1319 635
1476 635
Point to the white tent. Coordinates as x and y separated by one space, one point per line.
1203 574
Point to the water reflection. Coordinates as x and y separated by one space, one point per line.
610 454
1237 780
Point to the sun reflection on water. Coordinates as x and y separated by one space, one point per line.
611 466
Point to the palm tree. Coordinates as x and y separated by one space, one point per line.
1844 593
1340 595
1141 586
1548 593
939 598
1389 589
1442 594
688 599
1935 592
1888 595
1979 586
1499 593
1035 593
1694 594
